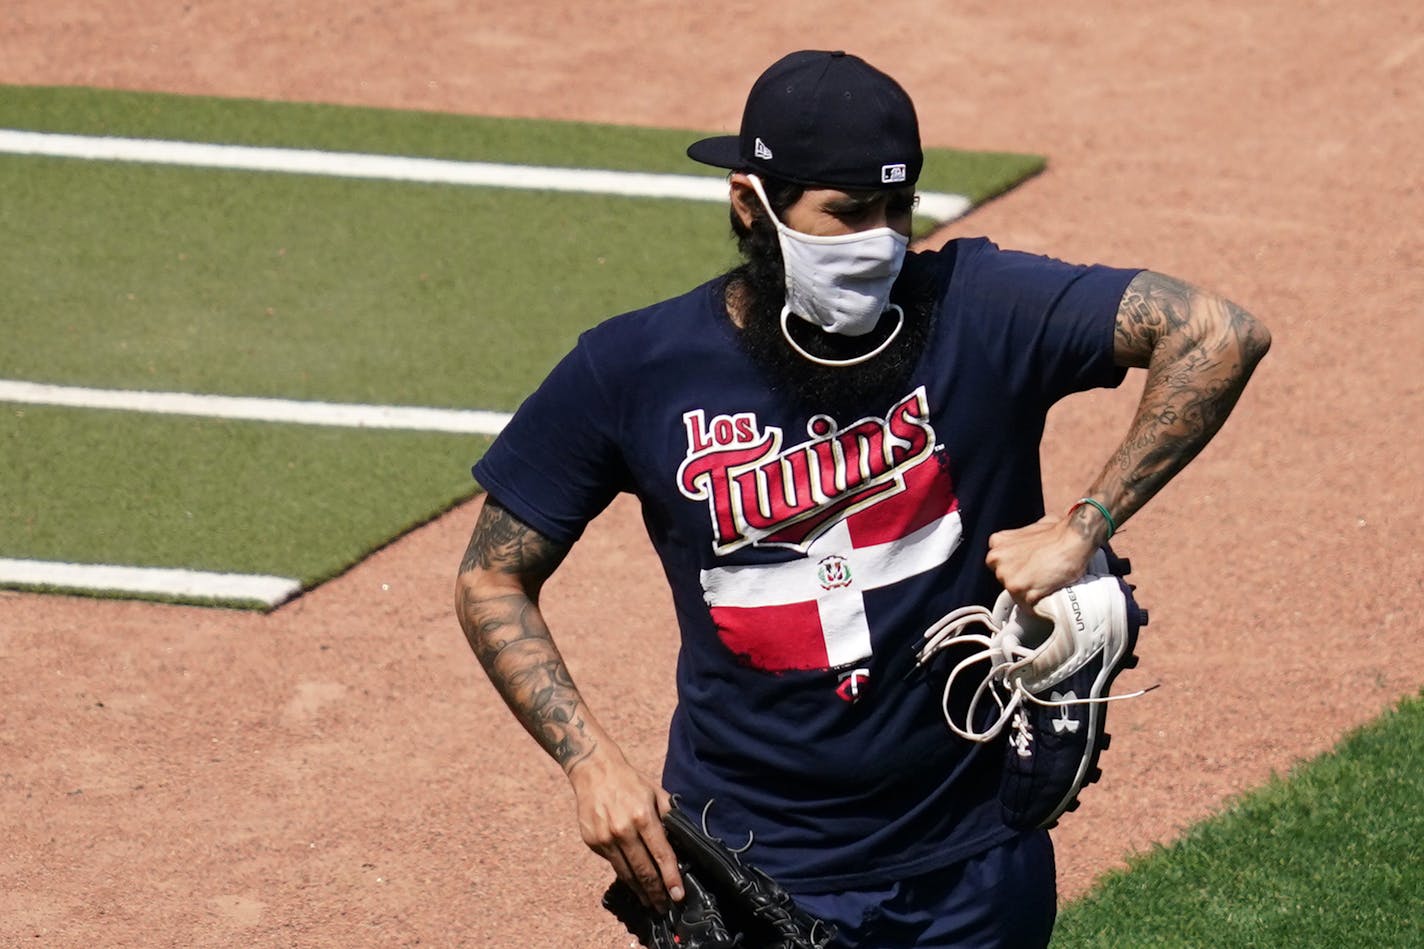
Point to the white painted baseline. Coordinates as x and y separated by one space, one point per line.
938 206
403 417
159 581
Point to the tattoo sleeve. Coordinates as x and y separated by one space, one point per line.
497 600
1199 351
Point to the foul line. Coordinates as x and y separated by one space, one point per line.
346 415
158 581
936 205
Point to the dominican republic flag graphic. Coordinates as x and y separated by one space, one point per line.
809 613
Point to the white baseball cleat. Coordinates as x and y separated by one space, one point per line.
1050 670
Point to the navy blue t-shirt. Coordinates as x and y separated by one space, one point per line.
808 553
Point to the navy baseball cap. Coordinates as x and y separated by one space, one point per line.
823 118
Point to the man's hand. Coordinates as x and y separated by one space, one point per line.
1032 562
620 816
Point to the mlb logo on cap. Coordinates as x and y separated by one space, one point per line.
892 174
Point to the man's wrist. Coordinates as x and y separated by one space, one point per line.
1092 519
594 764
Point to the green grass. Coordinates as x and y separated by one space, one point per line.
1327 856
209 494
301 287
164 278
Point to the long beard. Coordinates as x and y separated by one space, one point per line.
759 289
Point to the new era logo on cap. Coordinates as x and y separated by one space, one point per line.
891 174
761 151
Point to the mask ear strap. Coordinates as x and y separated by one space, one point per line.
765 202
855 360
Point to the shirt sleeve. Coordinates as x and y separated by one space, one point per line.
557 464
1049 324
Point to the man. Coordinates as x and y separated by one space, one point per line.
834 445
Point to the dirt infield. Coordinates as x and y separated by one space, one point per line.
340 774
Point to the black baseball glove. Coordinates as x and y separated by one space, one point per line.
726 903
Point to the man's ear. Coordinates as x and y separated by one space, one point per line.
744 198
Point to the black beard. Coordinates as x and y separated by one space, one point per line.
758 288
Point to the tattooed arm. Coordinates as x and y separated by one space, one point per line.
1199 350
497 601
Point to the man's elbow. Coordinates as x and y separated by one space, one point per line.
1252 337
1258 341
1235 328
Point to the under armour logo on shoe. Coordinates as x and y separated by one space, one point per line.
1022 738
1064 722
761 151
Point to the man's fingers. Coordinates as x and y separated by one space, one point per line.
662 852
1024 596
647 874
620 868
635 867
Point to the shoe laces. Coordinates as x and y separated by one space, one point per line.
1005 655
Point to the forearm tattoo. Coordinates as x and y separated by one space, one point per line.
509 637
1199 351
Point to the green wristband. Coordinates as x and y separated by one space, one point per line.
1102 509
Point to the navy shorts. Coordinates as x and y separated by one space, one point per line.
1003 898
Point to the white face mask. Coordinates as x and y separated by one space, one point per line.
840 283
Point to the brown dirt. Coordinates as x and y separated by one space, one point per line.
340 774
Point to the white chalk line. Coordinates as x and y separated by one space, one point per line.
221 587
155 581
938 206
346 415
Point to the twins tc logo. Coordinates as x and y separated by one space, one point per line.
762 495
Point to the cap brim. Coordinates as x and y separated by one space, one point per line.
721 151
